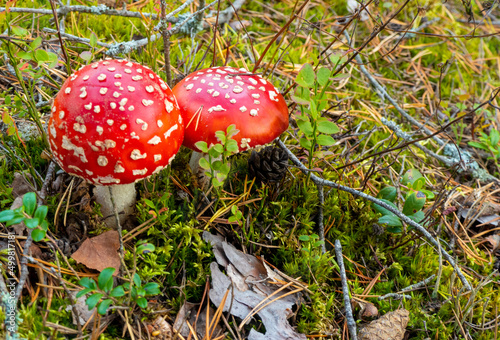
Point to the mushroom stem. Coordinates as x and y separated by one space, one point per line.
124 196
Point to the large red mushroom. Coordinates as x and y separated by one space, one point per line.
215 98
115 122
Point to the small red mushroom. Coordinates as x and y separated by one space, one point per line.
115 122
215 98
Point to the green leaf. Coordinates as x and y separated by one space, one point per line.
411 176
418 216
396 230
204 163
216 183
117 292
93 39
382 210
494 137
86 55
231 131
214 153
203 146
145 248
327 127
7 215
219 148
142 302
36 43
93 299
44 225
87 282
418 183
15 220
391 220
305 143
25 55
224 169
388 193
105 279
478 145
414 202
429 194
152 288
323 76
41 212
325 140
221 136
38 235
31 223
232 146
304 238
305 126
137 280
41 56
299 100
29 202
306 76
19 31
103 306
83 292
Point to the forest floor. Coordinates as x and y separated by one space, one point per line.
379 220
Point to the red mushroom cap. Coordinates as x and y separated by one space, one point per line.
114 122
214 98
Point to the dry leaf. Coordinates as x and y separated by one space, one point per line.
100 252
247 284
160 329
494 240
390 326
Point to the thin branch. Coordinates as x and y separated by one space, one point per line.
351 324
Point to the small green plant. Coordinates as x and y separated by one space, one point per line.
237 215
217 166
415 199
32 214
490 144
103 293
310 95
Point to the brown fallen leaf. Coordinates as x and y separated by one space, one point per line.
391 326
494 240
160 329
248 285
100 252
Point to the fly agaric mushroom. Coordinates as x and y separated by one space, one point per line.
115 122
215 98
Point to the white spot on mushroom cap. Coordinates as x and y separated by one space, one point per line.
131 108
110 122
77 150
189 87
137 78
129 64
79 127
127 71
262 88
136 154
254 112
169 131
237 89
111 69
198 90
117 83
103 90
118 75
102 161
112 105
263 81
88 106
116 94
139 172
131 88
61 114
255 95
101 77
159 123
256 102
210 91
155 140
233 101
245 143
74 167
90 173
97 109
83 93
168 106
243 108
86 77
215 94
99 129
151 76
67 90
253 81
150 89
144 126
53 130
157 158
273 96
216 108
119 168
147 102
123 127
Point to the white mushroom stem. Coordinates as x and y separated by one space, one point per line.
124 196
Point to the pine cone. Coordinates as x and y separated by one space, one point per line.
268 165
391 326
